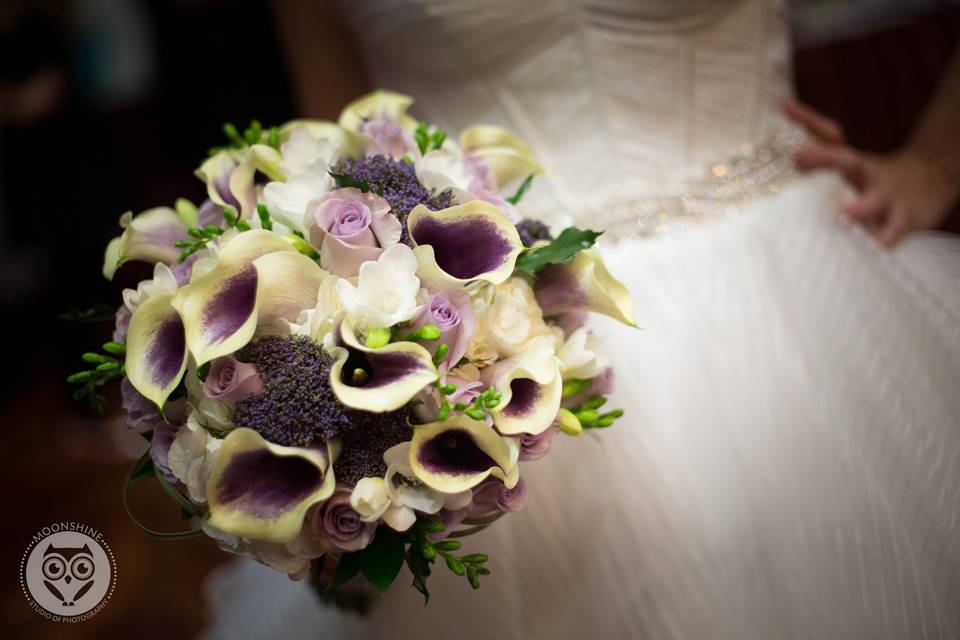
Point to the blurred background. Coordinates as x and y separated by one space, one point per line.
108 106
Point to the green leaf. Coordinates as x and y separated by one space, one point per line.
344 181
347 568
420 569
563 249
97 313
381 561
139 470
521 191
142 469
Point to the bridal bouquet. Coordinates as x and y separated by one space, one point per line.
344 353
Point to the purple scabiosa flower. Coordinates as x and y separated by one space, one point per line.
493 495
298 407
140 411
370 435
121 324
163 435
337 527
532 231
399 184
535 447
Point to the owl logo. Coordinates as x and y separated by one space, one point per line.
68 570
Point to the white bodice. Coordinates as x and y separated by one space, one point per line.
620 100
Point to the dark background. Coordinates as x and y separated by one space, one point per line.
78 147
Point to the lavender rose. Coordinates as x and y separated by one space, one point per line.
493 495
351 227
337 527
230 380
535 447
452 312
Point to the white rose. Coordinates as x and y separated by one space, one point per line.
386 290
507 322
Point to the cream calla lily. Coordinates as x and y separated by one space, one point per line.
229 179
379 103
530 386
460 453
156 348
584 284
147 237
259 281
378 380
262 490
340 139
471 241
508 157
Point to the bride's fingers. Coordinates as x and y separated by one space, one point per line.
893 229
817 124
825 156
868 205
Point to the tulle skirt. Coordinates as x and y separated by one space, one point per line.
788 467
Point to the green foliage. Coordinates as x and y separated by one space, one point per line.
425 552
521 191
105 367
563 249
143 468
253 134
380 562
426 140
347 568
97 313
589 416
264 214
202 235
344 181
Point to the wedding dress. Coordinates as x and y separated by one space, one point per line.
789 466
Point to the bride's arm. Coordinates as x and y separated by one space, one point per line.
325 74
911 189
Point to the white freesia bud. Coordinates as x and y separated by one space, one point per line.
370 498
578 358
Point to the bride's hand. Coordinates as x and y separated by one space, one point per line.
896 193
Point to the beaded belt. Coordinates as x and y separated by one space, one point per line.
757 170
